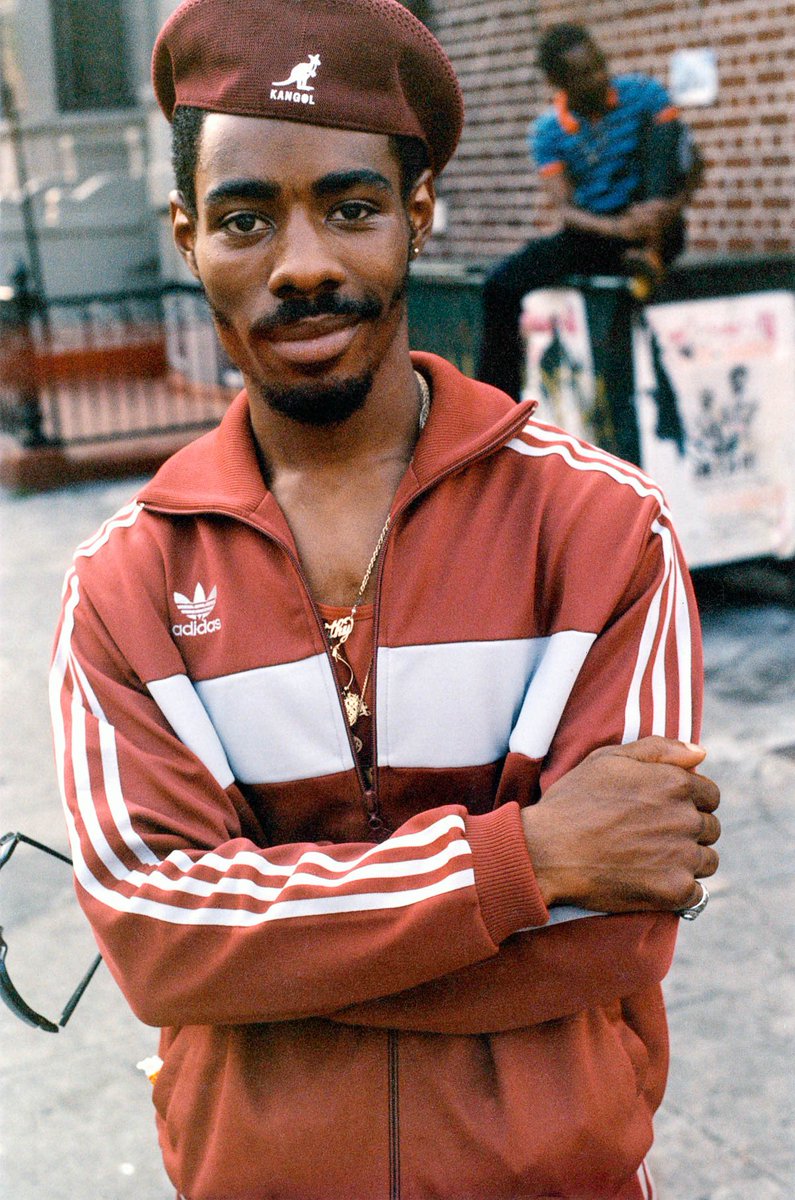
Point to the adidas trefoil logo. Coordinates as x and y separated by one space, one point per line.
197 610
282 89
200 605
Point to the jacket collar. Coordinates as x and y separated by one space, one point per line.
570 123
220 471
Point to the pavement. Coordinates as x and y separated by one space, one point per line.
75 1116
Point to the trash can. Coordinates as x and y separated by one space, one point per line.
444 307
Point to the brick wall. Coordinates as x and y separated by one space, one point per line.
747 200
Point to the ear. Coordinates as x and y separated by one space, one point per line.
183 228
420 206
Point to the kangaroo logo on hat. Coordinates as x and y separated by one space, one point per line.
299 76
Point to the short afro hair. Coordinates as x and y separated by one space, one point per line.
555 42
186 126
186 129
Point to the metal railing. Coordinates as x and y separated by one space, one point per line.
100 368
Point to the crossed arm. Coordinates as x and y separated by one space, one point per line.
643 222
626 833
202 924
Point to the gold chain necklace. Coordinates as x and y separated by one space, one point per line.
339 630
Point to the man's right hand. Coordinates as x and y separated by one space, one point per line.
629 829
647 220
638 224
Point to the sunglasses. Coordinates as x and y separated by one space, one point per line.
8 992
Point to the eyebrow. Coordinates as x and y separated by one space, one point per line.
342 181
242 189
266 191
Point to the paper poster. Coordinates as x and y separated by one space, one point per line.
558 360
730 367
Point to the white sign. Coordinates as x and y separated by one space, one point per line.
693 77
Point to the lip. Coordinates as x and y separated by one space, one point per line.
314 340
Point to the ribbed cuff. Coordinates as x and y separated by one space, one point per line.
506 884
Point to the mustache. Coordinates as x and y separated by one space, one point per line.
301 308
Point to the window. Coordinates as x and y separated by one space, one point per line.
9 57
90 57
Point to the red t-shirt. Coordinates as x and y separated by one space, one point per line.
358 650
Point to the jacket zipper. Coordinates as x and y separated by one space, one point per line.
394 1115
368 794
377 824
369 797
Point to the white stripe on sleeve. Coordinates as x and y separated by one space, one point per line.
178 700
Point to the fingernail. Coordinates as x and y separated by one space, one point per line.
697 749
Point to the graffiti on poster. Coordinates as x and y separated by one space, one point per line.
724 433
558 362
730 364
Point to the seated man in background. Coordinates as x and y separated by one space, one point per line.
619 167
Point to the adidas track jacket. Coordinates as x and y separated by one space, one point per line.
345 1018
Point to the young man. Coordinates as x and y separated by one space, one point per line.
352 703
618 166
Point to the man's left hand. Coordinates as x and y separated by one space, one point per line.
650 217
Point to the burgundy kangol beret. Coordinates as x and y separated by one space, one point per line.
350 64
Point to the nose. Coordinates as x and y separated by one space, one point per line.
304 260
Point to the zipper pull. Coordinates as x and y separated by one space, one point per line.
378 828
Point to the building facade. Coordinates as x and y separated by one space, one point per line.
77 74
96 149
746 204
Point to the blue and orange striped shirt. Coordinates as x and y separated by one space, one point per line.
601 156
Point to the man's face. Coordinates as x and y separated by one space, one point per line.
301 240
585 78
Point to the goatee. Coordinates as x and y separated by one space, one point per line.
315 403
319 404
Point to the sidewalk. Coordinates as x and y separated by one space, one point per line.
75 1116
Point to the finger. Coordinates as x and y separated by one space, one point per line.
662 750
710 861
704 792
702 827
710 830
694 897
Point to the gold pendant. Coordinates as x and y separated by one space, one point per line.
340 629
351 701
355 707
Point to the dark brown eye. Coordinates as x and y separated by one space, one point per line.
354 210
243 222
